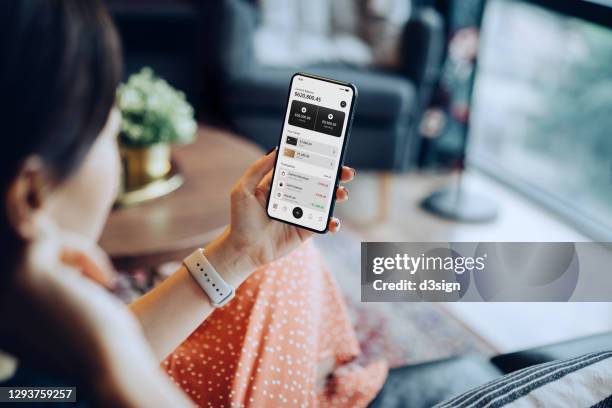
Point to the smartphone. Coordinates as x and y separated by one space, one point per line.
311 151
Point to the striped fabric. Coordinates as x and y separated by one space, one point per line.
605 403
584 381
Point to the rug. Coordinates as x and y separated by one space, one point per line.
401 332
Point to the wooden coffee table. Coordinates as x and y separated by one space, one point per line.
168 228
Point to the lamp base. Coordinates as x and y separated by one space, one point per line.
459 205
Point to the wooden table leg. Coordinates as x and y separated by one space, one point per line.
385 181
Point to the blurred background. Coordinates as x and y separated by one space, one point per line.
476 121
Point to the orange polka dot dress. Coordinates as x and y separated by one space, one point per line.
264 347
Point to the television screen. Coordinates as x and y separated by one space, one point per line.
542 109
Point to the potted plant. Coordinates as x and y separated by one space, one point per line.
155 115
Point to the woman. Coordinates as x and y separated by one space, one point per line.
59 172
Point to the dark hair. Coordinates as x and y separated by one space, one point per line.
60 65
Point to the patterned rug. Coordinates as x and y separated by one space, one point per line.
401 332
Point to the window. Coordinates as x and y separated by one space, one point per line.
542 109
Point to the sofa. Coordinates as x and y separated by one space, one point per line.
251 97
424 385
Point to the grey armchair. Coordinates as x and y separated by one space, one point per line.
251 97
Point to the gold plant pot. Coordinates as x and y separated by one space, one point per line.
148 173
143 165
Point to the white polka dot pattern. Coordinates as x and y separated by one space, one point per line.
264 347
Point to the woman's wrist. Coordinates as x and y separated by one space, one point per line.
229 260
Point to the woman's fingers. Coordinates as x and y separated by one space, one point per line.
72 250
347 174
334 224
87 266
254 174
87 257
263 188
258 178
341 194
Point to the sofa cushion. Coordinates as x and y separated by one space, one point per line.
424 385
294 33
585 381
560 351
383 97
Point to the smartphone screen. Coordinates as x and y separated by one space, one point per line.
311 151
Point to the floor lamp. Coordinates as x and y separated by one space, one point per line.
457 202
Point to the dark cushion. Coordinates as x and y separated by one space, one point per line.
510 362
383 97
424 385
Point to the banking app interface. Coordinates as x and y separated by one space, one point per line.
309 154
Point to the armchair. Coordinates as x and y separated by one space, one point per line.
251 97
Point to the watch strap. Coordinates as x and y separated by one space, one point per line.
218 291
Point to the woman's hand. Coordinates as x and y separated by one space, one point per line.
175 308
253 239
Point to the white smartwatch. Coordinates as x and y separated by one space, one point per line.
218 291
